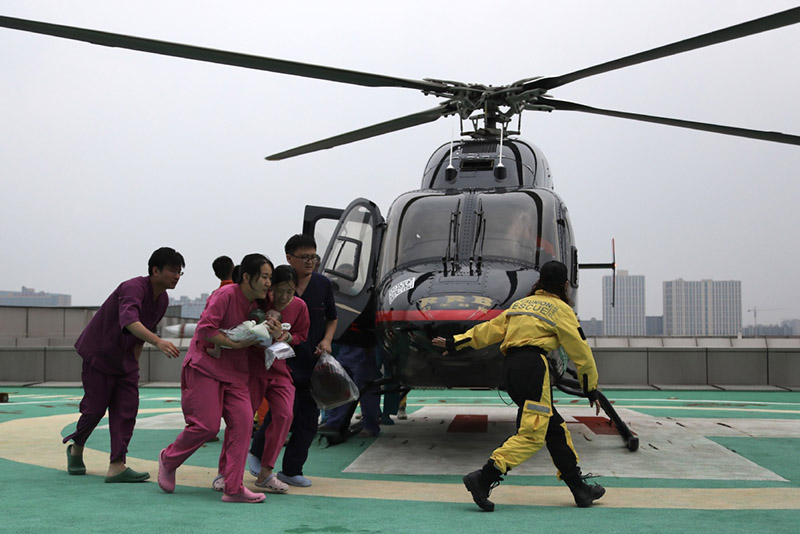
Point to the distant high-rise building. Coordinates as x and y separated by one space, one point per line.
654 325
772 330
793 326
190 308
29 297
627 317
592 327
704 308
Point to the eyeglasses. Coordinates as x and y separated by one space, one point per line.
175 271
307 258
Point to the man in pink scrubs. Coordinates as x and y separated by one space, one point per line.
110 346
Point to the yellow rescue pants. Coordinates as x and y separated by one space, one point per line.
528 383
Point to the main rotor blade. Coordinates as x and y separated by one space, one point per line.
775 137
220 56
401 123
770 22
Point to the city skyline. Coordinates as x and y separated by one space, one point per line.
191 307
28 296
177 298
703 307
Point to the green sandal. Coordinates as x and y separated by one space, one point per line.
75 465
129 475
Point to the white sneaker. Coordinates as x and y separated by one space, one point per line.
273 485
297 480
219 483
401 413
253 464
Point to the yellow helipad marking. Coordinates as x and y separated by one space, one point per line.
37 441
563 405
707 408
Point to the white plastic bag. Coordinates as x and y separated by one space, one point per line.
331 386
277 351
281 350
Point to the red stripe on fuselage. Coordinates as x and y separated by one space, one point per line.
436 315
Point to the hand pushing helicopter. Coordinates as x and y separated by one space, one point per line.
470 241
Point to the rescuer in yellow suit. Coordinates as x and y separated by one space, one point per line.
527 331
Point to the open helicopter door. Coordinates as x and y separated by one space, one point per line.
351 258
319 222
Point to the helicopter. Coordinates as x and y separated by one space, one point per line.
470 240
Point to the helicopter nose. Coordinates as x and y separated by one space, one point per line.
458 307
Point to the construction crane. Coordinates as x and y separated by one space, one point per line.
755 309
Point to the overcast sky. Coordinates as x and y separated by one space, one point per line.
107 154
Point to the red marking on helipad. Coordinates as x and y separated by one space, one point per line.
598 425
469 423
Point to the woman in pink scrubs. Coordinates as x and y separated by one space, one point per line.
214 388
276 383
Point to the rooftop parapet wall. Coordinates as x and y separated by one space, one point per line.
695 342
33 365
36 345
27 326
686 366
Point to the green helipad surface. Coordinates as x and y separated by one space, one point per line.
719 461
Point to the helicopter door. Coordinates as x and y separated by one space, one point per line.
319 222
350 259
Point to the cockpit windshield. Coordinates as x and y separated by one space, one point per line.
424 229
512 227
499 225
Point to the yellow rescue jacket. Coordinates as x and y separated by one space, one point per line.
543 320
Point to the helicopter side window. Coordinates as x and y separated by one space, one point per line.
512 228
346 265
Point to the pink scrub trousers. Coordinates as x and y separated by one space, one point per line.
204 401
279 392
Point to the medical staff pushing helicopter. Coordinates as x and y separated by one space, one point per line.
529 329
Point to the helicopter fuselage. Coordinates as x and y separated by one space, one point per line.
458 252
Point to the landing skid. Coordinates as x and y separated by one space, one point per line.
568 385
571 386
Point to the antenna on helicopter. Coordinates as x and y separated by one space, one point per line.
500 171
612 266
450 172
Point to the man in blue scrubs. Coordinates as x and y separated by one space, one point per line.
317 292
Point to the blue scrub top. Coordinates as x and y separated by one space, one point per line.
318 296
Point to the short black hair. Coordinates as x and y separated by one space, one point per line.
284 273
223 268
553 279
165 256
299 241
251 264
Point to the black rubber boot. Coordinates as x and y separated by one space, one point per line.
584 493
480 484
